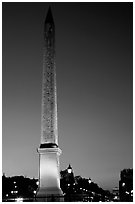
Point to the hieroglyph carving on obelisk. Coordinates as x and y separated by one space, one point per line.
49 130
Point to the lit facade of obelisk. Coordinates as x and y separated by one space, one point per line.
49 175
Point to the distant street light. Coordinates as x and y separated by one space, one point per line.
89 180
19 199
69 169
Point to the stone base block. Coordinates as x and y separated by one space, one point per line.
49 195
49 176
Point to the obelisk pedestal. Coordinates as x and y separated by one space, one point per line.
49 152
49 182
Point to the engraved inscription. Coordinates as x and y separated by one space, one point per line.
49 97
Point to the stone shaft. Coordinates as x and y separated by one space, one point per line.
49 129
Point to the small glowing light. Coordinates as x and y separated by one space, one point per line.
123 184
37 182
80 188
19 199
6 195
14 182
69 171
74 184
15 186
86 190
68 184
89 180
34 192
127 192
14 192
132 191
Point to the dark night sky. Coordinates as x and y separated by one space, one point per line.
94 83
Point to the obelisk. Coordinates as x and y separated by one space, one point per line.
49 175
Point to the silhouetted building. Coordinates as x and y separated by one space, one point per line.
76 188
18 187
67 180
115 193
126 185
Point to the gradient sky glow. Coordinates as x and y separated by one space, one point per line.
94 84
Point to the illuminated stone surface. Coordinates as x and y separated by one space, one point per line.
49 175
49 182
49 130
